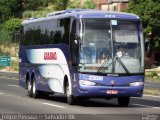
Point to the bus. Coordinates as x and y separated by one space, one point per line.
83 53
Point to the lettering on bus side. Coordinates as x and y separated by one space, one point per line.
50 56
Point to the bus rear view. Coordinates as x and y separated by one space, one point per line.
101 56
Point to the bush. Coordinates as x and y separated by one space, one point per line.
35 14
27 14
13 24
152 74
89 4
5 37
15 66
2 67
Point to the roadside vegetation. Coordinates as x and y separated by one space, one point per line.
155 92
152 76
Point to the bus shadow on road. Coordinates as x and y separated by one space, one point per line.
145 102
134 103
85 102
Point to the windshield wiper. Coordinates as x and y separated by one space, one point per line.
122 64
102 69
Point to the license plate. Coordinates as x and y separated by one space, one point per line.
112 91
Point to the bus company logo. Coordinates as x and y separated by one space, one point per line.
50 56
112 83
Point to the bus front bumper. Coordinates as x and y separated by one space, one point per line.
101 91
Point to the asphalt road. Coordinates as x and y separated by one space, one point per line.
14 100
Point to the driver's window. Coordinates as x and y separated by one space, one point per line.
73 43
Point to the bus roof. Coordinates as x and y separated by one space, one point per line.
83 13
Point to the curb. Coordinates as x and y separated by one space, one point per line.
4 71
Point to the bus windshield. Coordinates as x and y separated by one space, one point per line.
111 46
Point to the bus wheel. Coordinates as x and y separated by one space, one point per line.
35 92
123 101
29 88
70 98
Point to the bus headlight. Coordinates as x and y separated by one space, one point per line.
136 84
87 83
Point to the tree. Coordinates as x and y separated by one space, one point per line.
9 8
5 13
16 7
74 4
61 4
149 12
69 4
89 4
34 4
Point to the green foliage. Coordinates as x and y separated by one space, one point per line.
27 14
152 74
5 37
5 13
2 67
61 4
9 8
15 66
38 13
13 24
34 4
89 4
71 4
74 4
149 12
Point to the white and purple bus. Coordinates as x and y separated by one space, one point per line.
83 54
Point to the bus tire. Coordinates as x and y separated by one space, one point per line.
29 88
70 98
123 101
35 92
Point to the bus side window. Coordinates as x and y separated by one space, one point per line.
66 24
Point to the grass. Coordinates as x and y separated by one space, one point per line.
2 67
152 92
15 66
12 68
154 80
152 76
9 49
